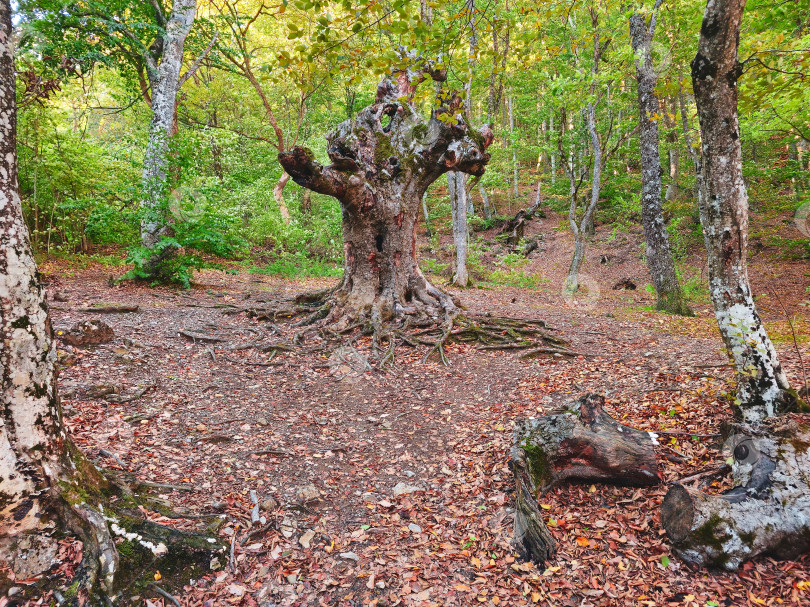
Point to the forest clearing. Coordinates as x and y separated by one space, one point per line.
404 303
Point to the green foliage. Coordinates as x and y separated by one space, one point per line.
298 265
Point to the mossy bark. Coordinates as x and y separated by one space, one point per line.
768 511
382 162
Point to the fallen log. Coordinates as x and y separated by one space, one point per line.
583 443
580 443
768 510
110 308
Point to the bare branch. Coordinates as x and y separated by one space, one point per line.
196 65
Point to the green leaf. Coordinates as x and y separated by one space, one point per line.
665 560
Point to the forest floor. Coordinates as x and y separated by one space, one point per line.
392 488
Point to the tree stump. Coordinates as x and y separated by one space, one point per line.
581 443
768 510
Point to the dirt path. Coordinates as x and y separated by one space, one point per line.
393 488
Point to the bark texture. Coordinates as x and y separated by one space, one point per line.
761 383
584 443
164 79
383 160
659 253
768 511
46 485
31 435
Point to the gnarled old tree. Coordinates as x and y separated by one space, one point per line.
769 509
47 488
383 160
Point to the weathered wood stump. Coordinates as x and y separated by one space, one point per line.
583 443
768 510
580 443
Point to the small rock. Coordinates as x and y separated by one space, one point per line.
14 590
245 427
215 564
292 578
415 528
404 489
236 589
306 539
269 504
261 421
350 556
308 493
201 428
410 473
87 332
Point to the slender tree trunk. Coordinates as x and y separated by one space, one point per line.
659 254
427 215
278 195
485 202
165 83
580 230
761 382
553 154
693 154
513 145
456 184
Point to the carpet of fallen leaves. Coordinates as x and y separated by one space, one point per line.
392 488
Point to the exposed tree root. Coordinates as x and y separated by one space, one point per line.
433 319
120 548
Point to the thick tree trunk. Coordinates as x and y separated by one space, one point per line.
36 463
165 80
382 163
659 254
761 382
458 203
582 443
47 488
767 512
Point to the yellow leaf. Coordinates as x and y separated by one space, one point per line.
583 541
476 562
551 570
157 576
545 506
592 489
462 587
803 585
751 597
496 600
535 597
